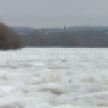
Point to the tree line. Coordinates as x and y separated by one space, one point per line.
82 38
66 38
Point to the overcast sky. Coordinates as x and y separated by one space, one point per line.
54 13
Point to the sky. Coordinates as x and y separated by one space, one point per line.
54 13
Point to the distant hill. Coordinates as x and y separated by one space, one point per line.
23 30
26 30
64 37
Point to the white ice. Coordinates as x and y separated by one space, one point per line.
54 78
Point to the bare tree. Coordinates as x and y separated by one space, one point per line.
8 39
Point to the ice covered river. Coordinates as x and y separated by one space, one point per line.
54 78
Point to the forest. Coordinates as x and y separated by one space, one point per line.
65 38
10 39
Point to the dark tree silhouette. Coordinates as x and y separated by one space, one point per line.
8 38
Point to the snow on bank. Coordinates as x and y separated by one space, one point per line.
54 78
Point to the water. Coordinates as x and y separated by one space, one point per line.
54 78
